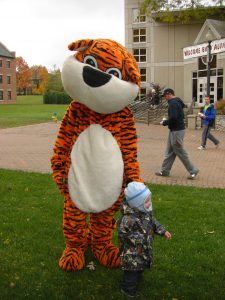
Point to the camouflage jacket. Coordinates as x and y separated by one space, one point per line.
136 233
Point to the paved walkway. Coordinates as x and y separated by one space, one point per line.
29 148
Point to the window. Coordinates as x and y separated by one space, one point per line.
1 78
194 75
140 55
203 65
1 95
137 17
142 93
8 79
143 74
194 85
0 63
139 35
219 88
9 95
8 64
202 74
212 87
194 89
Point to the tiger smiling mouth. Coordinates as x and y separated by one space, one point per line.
95 78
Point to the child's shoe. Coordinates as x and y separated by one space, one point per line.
129 294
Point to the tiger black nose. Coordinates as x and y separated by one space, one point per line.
94 77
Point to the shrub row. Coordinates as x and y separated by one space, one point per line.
56 98
220 107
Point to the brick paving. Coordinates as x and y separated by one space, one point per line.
29 148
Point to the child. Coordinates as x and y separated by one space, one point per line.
136 228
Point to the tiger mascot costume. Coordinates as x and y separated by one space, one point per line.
95 152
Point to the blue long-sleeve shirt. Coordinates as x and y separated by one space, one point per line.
210 113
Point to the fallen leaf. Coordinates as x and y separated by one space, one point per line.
91 266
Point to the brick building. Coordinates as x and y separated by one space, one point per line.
7 75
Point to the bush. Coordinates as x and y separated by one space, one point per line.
220 107
56 98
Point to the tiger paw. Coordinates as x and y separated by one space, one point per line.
72 259
107 255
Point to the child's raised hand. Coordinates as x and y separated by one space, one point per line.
167 235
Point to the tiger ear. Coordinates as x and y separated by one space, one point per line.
80 45
132 70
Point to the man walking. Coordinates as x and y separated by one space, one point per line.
175 123
208 116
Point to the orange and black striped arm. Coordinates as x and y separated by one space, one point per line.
60 160
129 146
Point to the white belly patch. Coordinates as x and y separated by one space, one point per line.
96 171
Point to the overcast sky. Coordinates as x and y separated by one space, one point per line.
40 30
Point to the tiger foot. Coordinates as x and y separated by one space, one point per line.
107 255
72 259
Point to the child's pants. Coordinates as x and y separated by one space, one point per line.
130 281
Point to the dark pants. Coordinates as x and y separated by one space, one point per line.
206 134
130 281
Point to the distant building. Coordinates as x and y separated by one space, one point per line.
7 75
158 48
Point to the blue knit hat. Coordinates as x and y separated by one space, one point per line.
136 194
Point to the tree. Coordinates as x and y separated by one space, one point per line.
182 11
23 76
54 92
39 78
54 83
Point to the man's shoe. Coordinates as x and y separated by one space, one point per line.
129 294
161 174
193 175
217 145
201 148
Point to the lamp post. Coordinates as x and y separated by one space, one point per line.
209 39
208 69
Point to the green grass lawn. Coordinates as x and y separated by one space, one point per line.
29 110
189 266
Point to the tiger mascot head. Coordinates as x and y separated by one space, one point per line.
102 75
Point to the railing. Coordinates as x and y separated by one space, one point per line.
147 111
191 106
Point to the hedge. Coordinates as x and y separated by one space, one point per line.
56 98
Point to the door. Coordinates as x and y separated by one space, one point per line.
202 89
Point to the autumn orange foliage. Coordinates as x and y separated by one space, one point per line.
32 80
23 75
39 77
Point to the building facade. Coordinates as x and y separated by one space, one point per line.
7 75
158 49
